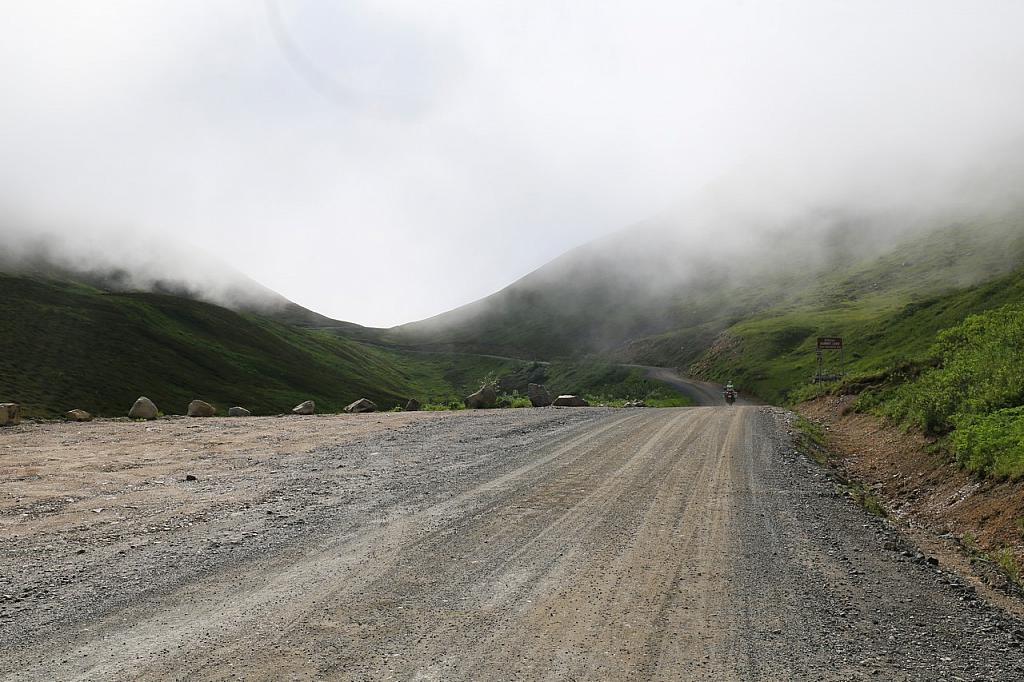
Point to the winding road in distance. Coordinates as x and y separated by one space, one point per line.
544 544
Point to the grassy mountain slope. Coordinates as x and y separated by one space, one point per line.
661 294
70 345
888 309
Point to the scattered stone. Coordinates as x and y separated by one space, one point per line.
538 395
201 408
570 401
307 407
237 411
10 414
413 405
634 403
144 408
485 398
77 415
361 405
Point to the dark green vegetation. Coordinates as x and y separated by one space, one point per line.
972 389
68 345
601 383
605 383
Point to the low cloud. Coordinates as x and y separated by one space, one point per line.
424 157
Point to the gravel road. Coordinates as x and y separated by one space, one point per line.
569 544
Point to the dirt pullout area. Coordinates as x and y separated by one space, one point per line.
548 544
926 492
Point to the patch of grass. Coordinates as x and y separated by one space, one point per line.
866 498
1003 558
1007 562
811 440
441 407
507 400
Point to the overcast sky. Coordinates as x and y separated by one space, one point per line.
384 161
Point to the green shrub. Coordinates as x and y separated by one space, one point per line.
513 400
979 370
991 444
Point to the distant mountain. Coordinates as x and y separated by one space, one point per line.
663 292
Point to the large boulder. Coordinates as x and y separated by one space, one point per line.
538 395
361 405
77 415
144 408
485 398
570 401
237 411
413 405
201 408
10 414
307 407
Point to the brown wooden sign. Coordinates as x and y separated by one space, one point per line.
830 343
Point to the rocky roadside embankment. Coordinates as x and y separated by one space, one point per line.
974 526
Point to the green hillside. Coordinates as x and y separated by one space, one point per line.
888 309
659 295
69 345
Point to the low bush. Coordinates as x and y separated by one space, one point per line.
991 444
513 399
979 370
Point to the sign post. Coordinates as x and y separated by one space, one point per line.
824 372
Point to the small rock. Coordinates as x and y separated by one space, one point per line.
413 405
201 408
570 401
190 477
237 411
10 414
144 408
360 406
77 415
307 407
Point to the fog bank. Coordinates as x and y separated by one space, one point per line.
384 161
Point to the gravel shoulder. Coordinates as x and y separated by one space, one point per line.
672 544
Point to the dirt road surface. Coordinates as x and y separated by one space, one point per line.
700 392
543 544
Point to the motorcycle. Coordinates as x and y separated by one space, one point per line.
730 396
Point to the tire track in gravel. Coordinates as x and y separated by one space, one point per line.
473 553
563 545
247 608
676 544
